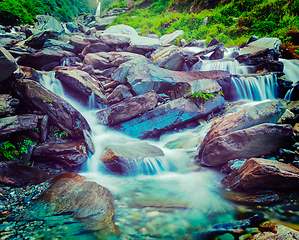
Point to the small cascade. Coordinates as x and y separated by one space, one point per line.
230 65
290 69
92 102
289 94
256 88
98 11
49 81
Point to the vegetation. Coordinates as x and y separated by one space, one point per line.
231 22
203 96
17 12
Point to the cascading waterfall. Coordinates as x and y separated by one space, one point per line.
98 11
255 87
230 65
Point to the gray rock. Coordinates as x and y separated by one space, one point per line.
8 104
115 39
63 45
124 158
121 29
19 123
102 23
144 44
168 116
7 64
79 42
119 93
37 40
45 22
72 26
60 112
96 47
260 45
82 84
127 109
171 37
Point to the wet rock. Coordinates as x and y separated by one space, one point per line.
102 23
250 142
127 109
60 112
202 52
183 142
46 56
37 40
293 106
7 64
171 37
119 93
17 123
257 173
274 231
69 153
217 54
8 105
170 58
82 84
267 112
63 45
16 175
45 22
86 201
168 116
124 158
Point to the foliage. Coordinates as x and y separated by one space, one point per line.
16 12
56 133
203 96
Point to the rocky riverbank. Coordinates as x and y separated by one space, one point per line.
143 87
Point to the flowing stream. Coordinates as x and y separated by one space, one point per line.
163 197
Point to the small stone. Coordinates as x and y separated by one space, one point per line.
152 214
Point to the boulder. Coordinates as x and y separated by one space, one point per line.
85 201
69 153
96 47
267 112
183 142
102 23
121 29
171 37
125 158
46 59
63 45
115 40
255 141
82 84
170 58
168 116
127 109
19 123
274 231
8 104
258 173
143 44
79 42
119 93
17 176
37 40
45 22
72 26
7 64
204 51
60 112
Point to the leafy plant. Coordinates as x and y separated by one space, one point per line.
8 150
203 96
57 133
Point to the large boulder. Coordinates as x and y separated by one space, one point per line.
96 47
127 109
258 173
171 37
16 175
119 93
267 112
85 201
82 84
69 153
79 42
115 40
255 141
8 104
65 46
128 157
17 123
60 112
143 44
7 64
121 29
168 116
45 22
37 40
102 23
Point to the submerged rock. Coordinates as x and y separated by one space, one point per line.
70 194
60 112
255 141
129 157
168 116
257 173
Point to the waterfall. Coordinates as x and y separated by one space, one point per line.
230 65
98 11
289 94
256 88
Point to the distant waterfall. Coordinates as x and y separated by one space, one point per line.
256 88
98 11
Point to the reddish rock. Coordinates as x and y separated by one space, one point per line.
257 173
127 109
16 175
85 201
250 142
70 153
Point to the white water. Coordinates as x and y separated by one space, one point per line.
291 69
230 65
98 11
174 202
